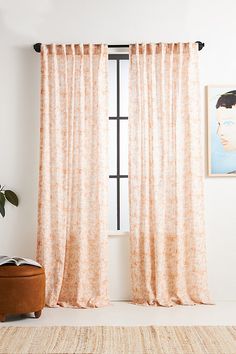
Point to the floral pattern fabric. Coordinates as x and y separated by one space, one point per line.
167 234
73 179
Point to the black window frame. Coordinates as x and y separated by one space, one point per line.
118 117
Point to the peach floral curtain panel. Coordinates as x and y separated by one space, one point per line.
168 257
73 181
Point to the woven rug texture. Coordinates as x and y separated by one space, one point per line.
119 340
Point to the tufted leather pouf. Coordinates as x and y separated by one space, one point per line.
22 290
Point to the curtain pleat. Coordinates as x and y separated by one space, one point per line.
73 178
167 232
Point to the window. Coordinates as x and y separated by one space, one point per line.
118 142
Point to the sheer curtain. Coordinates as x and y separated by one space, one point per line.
168 258
73 180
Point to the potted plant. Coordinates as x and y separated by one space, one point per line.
10 196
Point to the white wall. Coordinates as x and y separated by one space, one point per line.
25 22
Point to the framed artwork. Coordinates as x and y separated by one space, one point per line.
221 104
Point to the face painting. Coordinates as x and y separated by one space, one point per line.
226 119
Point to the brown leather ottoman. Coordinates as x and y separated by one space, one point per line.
22 290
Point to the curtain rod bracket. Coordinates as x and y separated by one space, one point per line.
37 46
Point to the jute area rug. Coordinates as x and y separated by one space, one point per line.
118 340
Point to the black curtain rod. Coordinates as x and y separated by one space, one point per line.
37 46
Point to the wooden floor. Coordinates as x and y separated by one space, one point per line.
125 314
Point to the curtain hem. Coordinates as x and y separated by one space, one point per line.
91 303
170 302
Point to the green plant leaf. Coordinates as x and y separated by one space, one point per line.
2 210
11 197
2 199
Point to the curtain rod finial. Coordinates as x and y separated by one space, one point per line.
37 47
200 45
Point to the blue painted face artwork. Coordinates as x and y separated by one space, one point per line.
226 127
